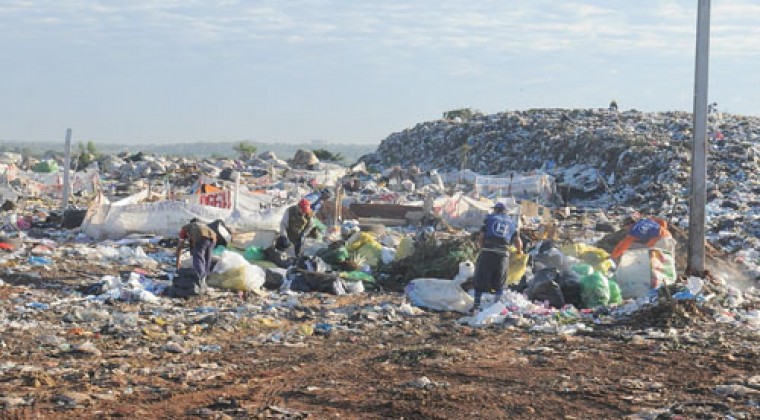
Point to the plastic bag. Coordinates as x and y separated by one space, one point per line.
438 294
644 269
552 258
493 314
517 266
358 275
570 284
229 261
598 258
354 286
254 253
405 248
595 290
615 296
544 286
583 269
388 255
244 278
334 255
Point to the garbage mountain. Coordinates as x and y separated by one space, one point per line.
603 158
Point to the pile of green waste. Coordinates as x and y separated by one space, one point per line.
432 258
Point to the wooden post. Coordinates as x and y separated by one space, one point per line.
66 169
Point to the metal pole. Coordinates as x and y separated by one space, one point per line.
696 264
66 169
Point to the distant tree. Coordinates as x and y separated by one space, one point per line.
87 154
245 149
328 156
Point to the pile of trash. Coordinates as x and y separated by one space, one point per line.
640 160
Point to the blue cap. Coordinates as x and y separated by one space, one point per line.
499 207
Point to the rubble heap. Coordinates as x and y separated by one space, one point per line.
603 158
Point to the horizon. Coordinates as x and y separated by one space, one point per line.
351 73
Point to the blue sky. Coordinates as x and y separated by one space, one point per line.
350 70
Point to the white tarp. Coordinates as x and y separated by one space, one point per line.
539 187
463 212
106 220
327 177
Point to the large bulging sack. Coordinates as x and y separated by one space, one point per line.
570 283
185 284
545 287
438 294
644 269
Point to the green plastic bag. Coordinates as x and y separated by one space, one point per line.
333 255
219 250
359 275
319 225
254 253
595 290
615 296
583 269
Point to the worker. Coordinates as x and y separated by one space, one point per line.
202 241
317 199
497 233
648 230
296 223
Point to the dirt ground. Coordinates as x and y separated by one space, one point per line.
363 356
379 364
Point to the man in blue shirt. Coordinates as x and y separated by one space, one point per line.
491 270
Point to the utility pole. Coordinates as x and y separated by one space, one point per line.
696 264
66 169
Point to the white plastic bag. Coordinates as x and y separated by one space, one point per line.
441 294
388 255
490 315
644 269
354 287
229 260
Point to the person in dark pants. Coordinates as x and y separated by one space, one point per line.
497 233
202 241
296 223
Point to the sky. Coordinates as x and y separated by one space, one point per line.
350 71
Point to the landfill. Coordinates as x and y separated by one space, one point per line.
375 319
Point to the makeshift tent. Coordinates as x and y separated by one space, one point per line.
461 211
534 187
327 176
106 220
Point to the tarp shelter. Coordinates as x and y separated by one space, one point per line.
327 177
539 187
107 220
463 212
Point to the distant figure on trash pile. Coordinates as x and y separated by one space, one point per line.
296 224
317 199
613 106
647 231
497 233
202 241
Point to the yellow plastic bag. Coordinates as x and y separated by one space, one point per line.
358 240
595 257
405 248
518 263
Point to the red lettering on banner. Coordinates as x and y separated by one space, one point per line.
219 199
